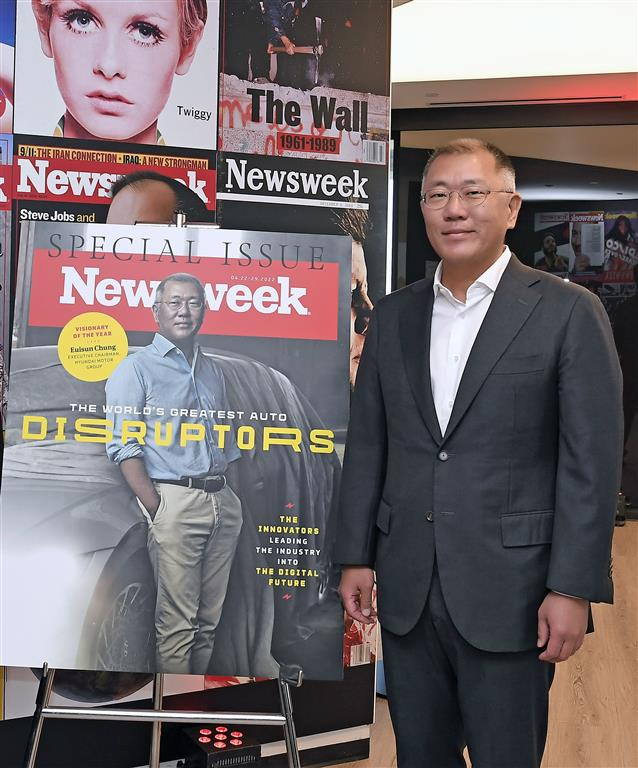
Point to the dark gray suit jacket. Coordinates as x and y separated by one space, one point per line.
518 497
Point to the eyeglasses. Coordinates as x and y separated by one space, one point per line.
176 304
472 196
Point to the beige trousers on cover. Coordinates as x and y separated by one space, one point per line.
191 545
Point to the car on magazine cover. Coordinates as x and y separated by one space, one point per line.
75 538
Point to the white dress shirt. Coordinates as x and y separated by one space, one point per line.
455 326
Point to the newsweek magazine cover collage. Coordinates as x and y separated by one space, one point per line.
304 123
295 175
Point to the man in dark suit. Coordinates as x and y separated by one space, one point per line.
479 478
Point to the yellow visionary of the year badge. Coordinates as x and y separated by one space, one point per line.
91 346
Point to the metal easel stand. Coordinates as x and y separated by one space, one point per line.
288 676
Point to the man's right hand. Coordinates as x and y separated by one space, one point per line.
356 593
151 505
141 484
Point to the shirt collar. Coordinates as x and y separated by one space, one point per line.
164 346
490 278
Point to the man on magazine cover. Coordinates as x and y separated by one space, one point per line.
173 454
291 25
246 41
480 477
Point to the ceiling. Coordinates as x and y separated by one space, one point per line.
613 146
477 51
560 89
470 52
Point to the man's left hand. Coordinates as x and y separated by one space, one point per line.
562 623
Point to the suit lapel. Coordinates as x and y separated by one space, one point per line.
511 306
415 323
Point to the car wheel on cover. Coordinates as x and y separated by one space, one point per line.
119 633
126 635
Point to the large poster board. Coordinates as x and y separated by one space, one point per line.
75 537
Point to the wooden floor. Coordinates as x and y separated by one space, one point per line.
594 698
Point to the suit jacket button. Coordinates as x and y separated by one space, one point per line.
429 517
443 456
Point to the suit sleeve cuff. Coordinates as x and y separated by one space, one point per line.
564 594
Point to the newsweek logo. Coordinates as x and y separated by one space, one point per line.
240 300
293 187
87 288
61 180
587 217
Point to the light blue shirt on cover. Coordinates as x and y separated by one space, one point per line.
159 379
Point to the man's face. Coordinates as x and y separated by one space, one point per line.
149 201
549 246
360 308
576 238
461 234
176 311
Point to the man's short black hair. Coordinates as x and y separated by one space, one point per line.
188 202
